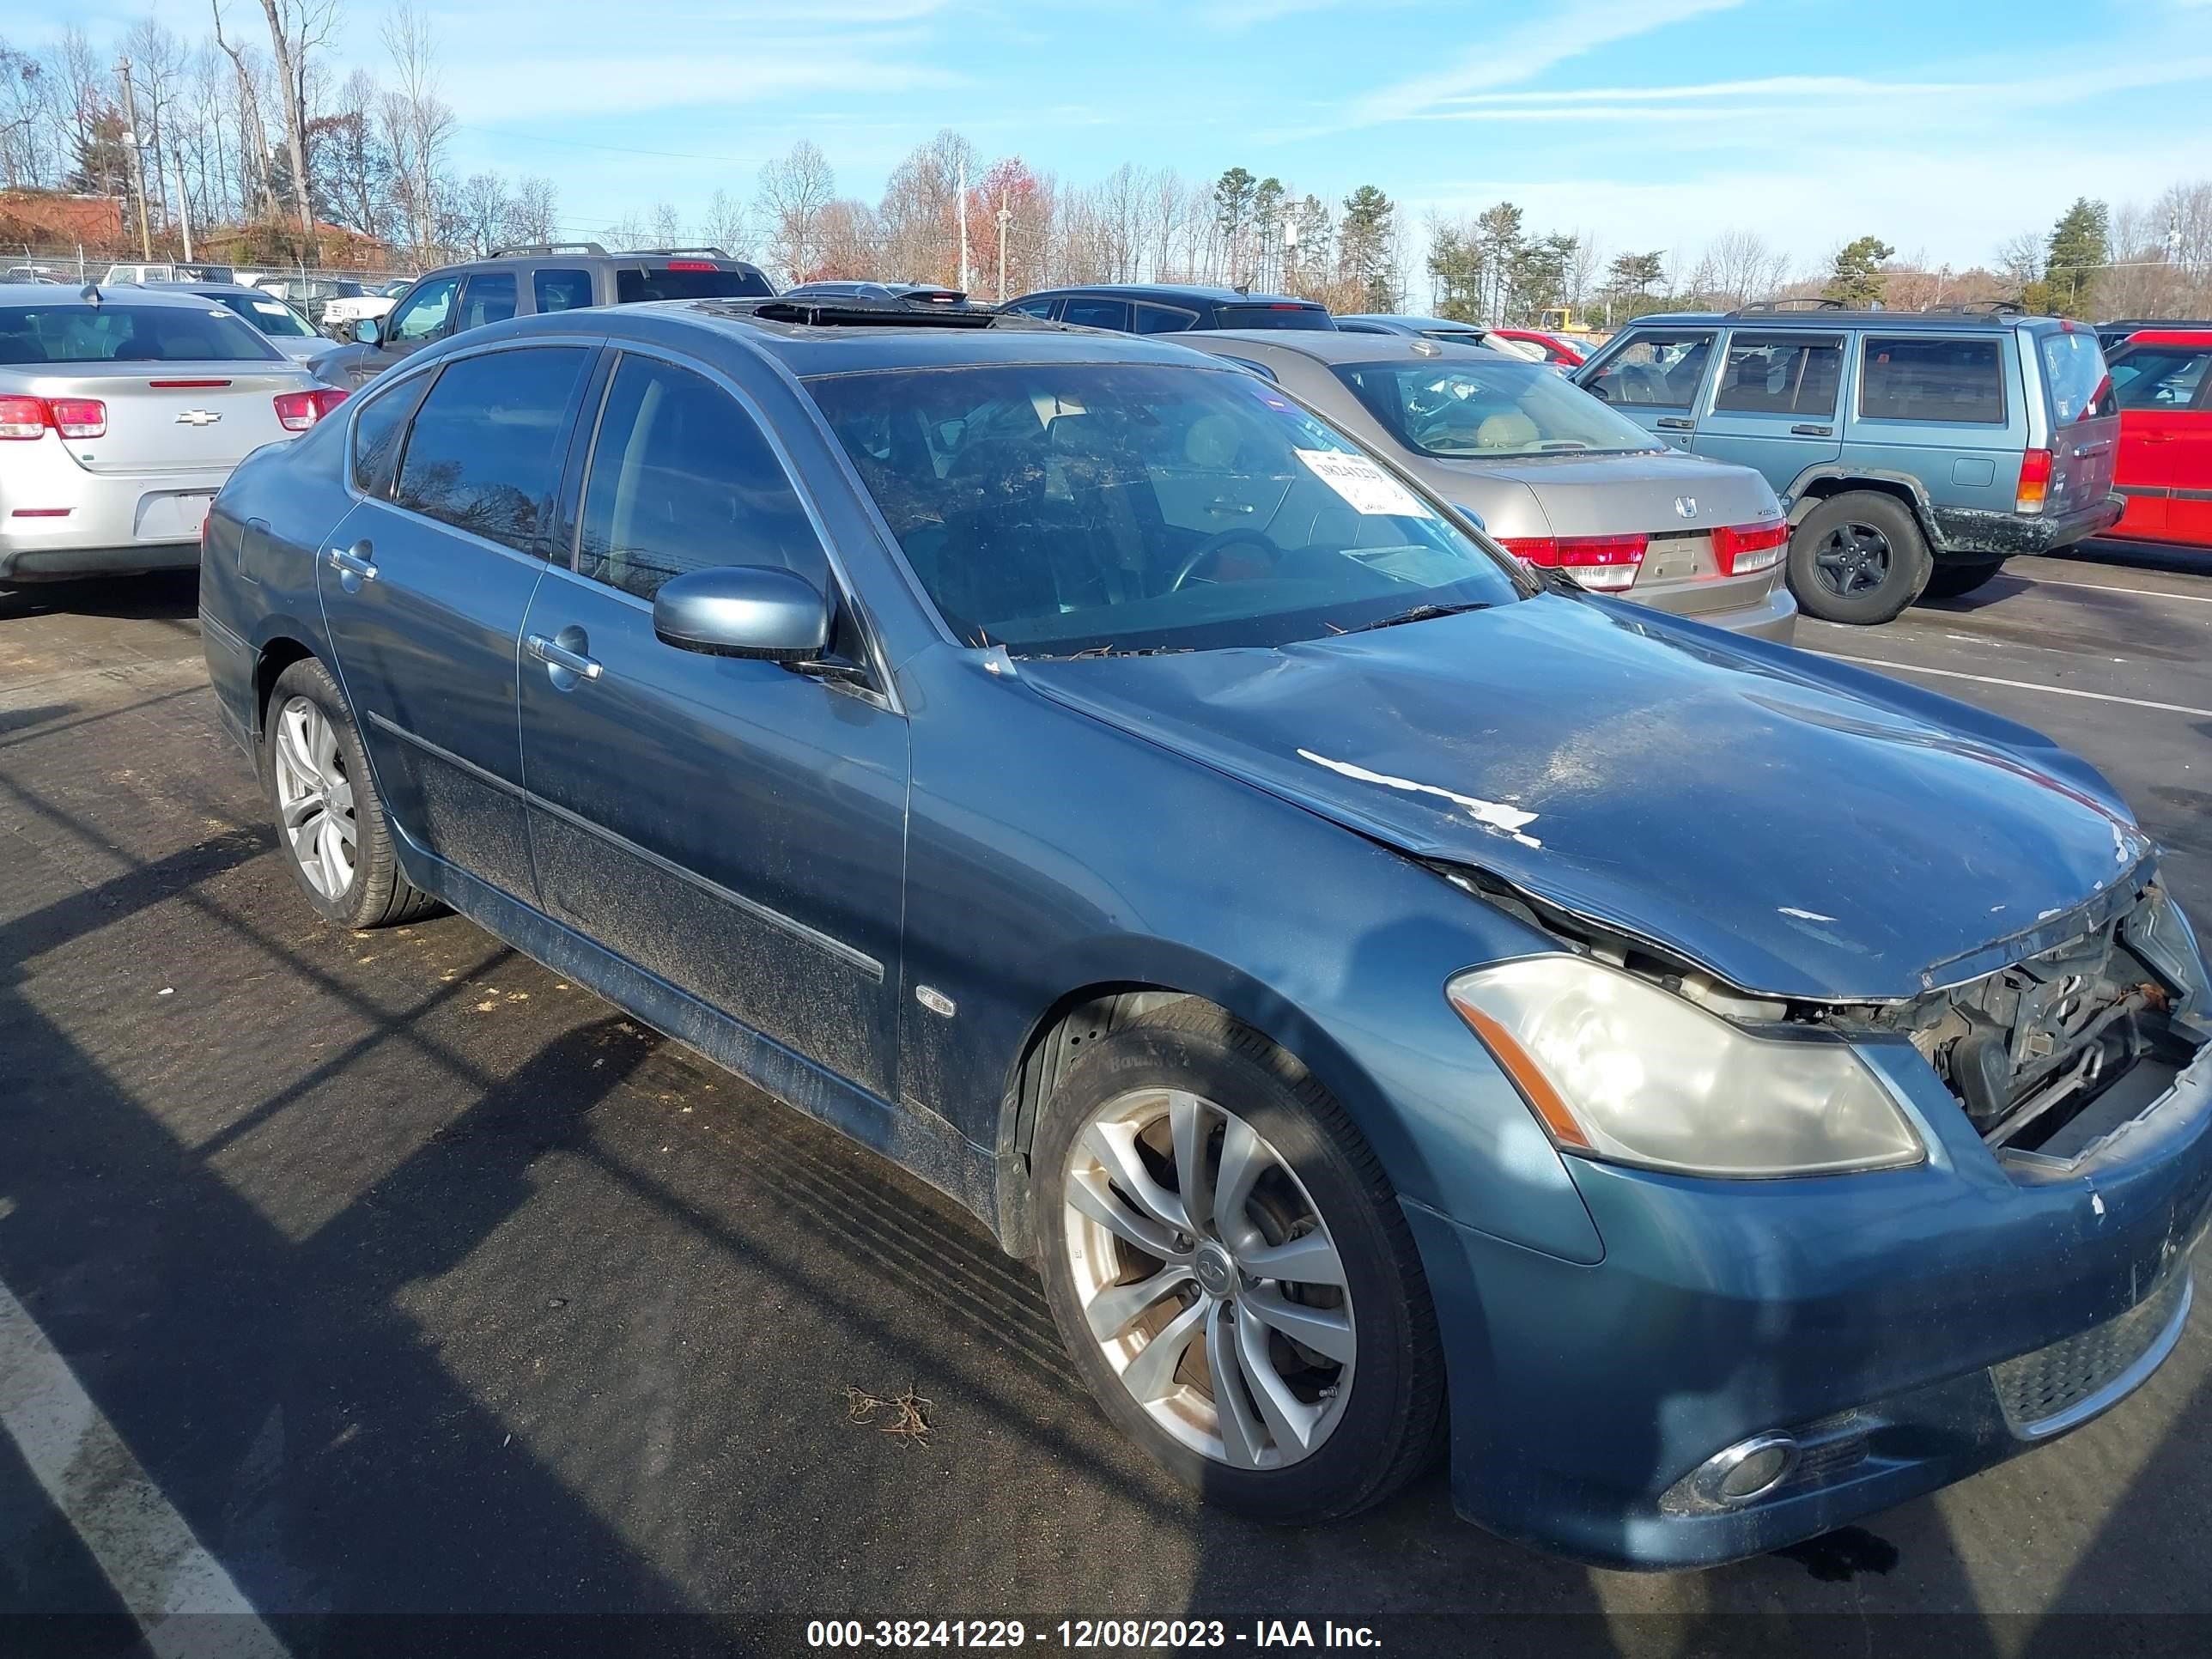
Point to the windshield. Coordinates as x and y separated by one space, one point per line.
270 316
118 333
1475 409
1064 509
1276 315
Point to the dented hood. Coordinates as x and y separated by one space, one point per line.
1798 827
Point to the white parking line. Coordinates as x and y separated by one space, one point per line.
2018 685
180 1596
2109 587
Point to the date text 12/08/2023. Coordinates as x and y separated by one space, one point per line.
1083 1635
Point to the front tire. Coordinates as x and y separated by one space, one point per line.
1232 1273
1858 558
330 823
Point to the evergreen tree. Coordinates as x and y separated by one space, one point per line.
2079 242
1856 277
1365 242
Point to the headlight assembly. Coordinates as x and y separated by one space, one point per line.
1618 1068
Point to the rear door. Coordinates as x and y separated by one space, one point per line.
1945 410
425 584
1096 311
2085 420
488 296
1655 377
734 828
1774 404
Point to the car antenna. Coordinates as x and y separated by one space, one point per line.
91 293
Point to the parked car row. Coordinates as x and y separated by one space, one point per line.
1495 1054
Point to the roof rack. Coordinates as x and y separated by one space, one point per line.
546 247
664 253
1767 308
1978 308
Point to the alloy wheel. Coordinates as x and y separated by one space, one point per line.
1209 1278
1852 559
315 798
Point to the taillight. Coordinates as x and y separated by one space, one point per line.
78 417
73 418
2034 480
22 417
298 410
1606 562
1739 550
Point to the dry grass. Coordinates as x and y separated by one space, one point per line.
905 1413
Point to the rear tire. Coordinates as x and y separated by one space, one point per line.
330 824
1950 580
1314 1241
1858 558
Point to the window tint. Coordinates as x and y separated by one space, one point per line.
2160 377
1274 316
1659 368
561 290
1165 319
1914 379
488 298
1781 374
681 479
632 286
484 452
75 332
1040 308
423 315
1090 311
2073 376
376 433
271 317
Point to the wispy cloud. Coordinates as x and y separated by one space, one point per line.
526 88
1523 53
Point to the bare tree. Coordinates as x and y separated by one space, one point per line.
480 210
728 226
793 191
532 209
297 29
418 123
666 225
1738 266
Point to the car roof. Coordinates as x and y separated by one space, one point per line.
1173 291
1411 321
807 350
517 259
1337 346
165 294
2180 334
1949 322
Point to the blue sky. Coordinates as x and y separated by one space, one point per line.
1941 126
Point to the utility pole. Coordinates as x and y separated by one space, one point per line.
1005 217
964 227
138 159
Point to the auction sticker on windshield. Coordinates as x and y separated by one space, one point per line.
1365 487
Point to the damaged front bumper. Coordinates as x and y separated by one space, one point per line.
1902 1329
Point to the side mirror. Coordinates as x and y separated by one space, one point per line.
1472 517
762 611
368 331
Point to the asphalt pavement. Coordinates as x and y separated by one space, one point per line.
414 1281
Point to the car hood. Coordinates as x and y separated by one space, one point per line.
1799 828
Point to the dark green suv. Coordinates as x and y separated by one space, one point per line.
1914 452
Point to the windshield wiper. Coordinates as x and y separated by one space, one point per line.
1420 613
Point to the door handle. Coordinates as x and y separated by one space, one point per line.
354 561
1224 507
1812 432
2154 437
2082 451
1676 423
554 654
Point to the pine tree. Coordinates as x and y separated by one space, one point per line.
2079 242
1856 277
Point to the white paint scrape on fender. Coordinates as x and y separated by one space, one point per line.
1491 814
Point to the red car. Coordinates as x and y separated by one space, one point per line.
1557 352
2165 463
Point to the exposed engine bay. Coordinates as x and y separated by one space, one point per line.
2110 1015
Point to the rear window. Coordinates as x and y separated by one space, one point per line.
270 316
1918 380
1276 317
2073 377
123 333
633 285
1488 409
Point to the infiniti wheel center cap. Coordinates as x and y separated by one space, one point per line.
1215 1270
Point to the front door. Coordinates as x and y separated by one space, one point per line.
424 587
1774 406
1654 377
2165 394
734 828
